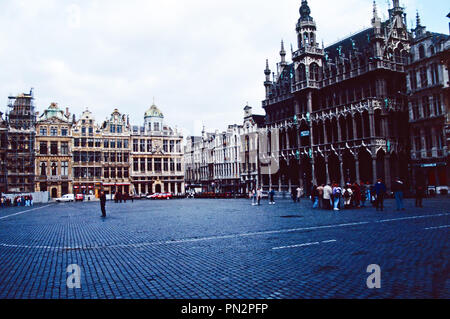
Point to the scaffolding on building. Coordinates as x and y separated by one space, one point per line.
21 123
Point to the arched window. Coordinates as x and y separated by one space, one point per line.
43 169
312 38
301 73
314 72
54 169
432 50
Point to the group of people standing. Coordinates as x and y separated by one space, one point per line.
354 195
119 197
22 200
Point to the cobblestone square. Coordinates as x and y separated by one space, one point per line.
223 249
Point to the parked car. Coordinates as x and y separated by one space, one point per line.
79 197
166 196
66 198
160 196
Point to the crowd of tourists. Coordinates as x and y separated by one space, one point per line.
360 195
332 196
22 200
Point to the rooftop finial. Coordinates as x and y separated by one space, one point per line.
375 10
418 19
305 11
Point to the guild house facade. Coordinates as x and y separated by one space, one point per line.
54 152
157 159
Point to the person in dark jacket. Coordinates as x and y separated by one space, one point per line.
103 204
380 191
398 187
420 194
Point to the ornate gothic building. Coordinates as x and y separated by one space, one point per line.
339 113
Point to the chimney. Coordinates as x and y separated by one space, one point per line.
73 119
67 112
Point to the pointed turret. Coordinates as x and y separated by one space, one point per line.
283 55
420 30
267 83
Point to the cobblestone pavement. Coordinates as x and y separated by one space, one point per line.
224 249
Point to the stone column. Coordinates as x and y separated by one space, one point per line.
387 171
355 132
325 138
327 170
372 123
374 169
358 178
341 168
363 126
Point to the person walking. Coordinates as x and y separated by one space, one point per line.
420 194
103 204
356 195
363 191
259 196
398 187
320 191
380 191
327 193
299 193
294 195
271 197
315 197
348 195
337 194
253 197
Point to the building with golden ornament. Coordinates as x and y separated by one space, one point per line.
116 132
53 153
156 156
87 156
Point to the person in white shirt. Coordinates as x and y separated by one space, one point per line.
327 192
299 193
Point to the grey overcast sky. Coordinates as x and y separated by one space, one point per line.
202 60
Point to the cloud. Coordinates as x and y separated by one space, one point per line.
202 60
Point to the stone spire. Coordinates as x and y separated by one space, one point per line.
283 54
375 11
267 83
376 21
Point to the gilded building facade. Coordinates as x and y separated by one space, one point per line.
116 132
53 165
157 163
339 113
87 155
